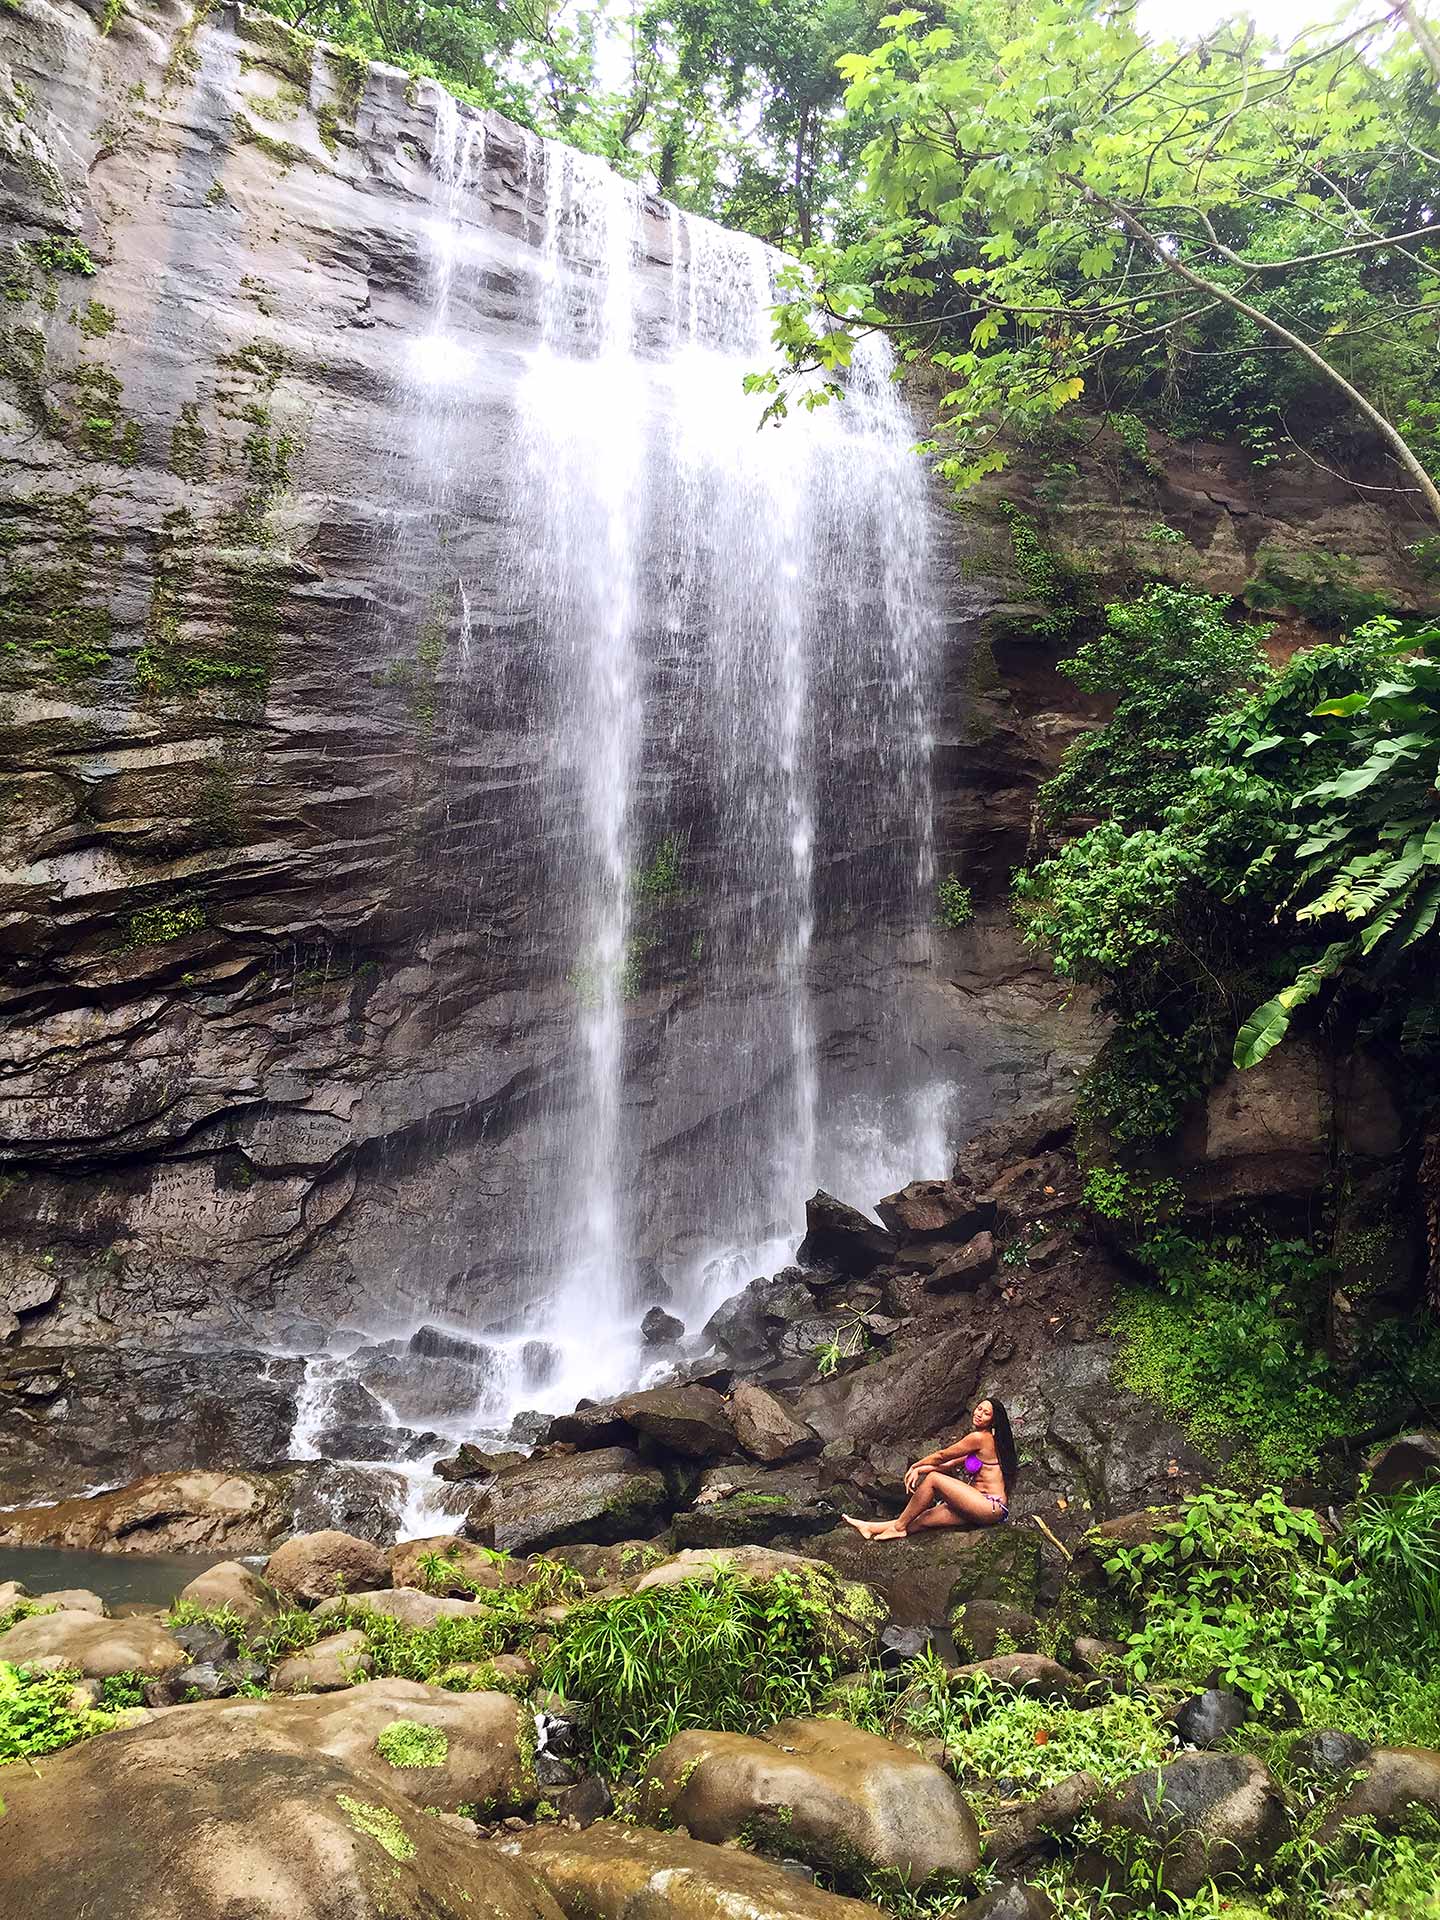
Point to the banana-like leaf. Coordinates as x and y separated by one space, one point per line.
1268 1025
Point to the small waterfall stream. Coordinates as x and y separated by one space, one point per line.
732 638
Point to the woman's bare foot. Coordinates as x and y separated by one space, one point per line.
889 1531
867 1529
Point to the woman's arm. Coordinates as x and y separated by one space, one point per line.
941 1455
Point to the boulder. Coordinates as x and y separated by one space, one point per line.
93 1647
1125 1530
981 1627
934 1210
12 1592
315 1566
691 1421
473 1463
618 1872
661 1329
72 1600
1214 1816
842 1238
1211 1717
1396 1782
750 1506
589 1800
237 1588
414 1610
167 1513
327 1667
204 1643
1412 1460
852 1618
820 1791
923 1387
280 1810
1328 1753
589 1427
1009 1902
475 1568
750 1326
964 1270
926 1577
1028 1673
898 1645
766 1429
1023 1832
543 1502
617 1560
1044 1128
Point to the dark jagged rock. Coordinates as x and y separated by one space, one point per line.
842 1238
1413 1460
606 1495
742 1505
929 1210
899 1644
693 1422
1328 1753
1211 1717
433 1343
966 1268
72 1416
474 1463
589 1800
588 1427
766 1429
659 1328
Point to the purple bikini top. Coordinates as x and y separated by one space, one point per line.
973 1463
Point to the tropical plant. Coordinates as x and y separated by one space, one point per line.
1361 853
1074 205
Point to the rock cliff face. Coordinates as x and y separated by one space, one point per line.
282 1007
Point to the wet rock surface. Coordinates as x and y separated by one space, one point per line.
605 1495
821 1792
296 1791
613 1872
1215 1816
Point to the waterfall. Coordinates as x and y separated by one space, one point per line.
726 640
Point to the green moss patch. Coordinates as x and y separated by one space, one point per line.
409 1743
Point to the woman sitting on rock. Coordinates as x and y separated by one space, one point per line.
940 1498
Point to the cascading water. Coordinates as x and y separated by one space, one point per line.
730 648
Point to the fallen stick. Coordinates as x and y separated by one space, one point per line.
1052 1538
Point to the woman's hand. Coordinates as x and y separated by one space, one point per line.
913 1475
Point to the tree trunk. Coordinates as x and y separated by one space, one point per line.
1173 264
802 190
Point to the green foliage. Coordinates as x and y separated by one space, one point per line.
1173 660
379 1824
1232 1343
1289 1612
123 1690
1322 586
1359 855
409 1743
63 256
729 1654
1074 207
155 926
660 879
37 1713
954 903
1397 1541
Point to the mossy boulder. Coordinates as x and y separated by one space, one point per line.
595 1497
852 1615
924 1579
270 1808
820 1791
619 1872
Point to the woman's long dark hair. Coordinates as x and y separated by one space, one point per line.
1005 1446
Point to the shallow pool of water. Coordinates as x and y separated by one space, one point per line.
149 1579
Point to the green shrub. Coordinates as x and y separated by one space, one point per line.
37 1713
729 1654
954 904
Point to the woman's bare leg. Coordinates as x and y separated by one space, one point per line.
963 1504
